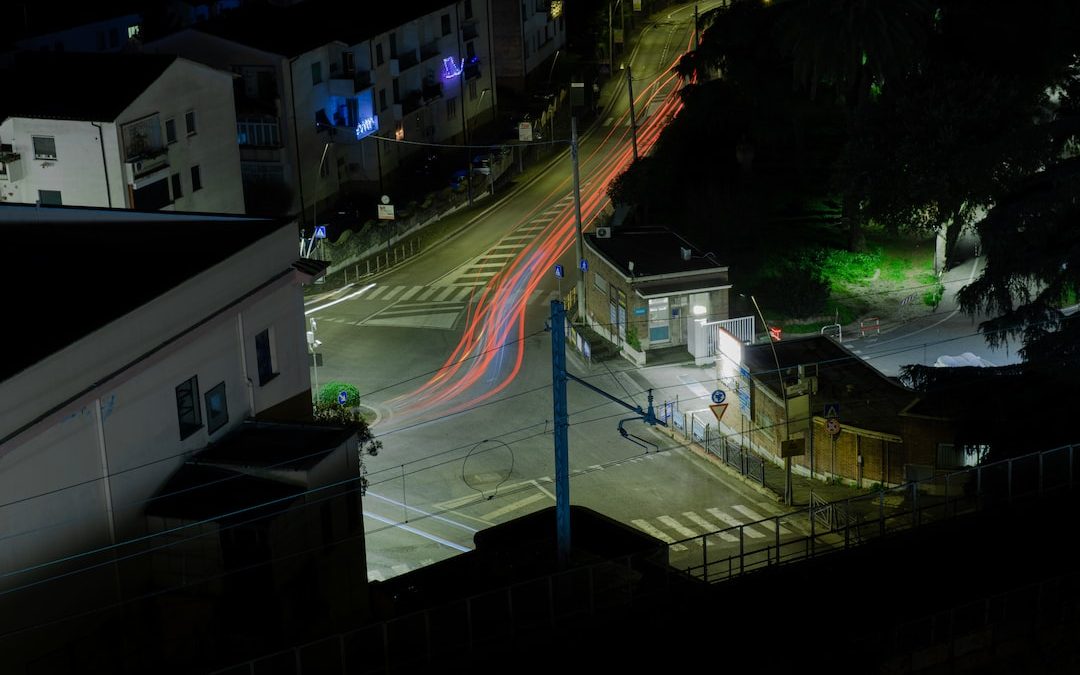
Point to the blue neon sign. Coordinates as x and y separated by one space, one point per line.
452 69
367 126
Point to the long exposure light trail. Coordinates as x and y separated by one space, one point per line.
489 354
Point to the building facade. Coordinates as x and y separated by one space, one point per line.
530 32
158 135
330 106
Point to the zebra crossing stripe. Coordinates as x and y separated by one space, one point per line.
443 293
392 292
375 292
411 292
647 528
684 532
729 520
752 515
707 526
463 294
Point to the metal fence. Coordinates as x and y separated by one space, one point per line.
825 527
747 463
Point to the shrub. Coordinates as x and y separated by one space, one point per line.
328 394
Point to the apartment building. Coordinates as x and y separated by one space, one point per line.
124 130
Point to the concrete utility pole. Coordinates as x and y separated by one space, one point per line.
577 209
562 423
633 119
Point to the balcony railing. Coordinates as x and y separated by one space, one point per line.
412 101
407 58
429 51
432 89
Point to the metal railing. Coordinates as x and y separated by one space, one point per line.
697 431
825 527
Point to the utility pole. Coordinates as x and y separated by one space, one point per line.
562 421
577 210
633 120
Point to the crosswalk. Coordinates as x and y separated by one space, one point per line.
422 306
672 528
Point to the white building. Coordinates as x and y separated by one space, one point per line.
320 80
157 348
130 131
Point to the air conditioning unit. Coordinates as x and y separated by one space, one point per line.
603 232
685 252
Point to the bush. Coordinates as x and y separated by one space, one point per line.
798 292
328 394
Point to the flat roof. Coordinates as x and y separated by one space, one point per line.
73 270
654 251
282 447
867 399
196 492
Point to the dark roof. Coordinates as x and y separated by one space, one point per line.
196 493
35 19
653 250
867 399
68 86
295 29
283 447
68 279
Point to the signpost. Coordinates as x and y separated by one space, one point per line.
525 132
718 396
718 410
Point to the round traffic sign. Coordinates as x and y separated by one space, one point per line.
832 425
718 397
342 397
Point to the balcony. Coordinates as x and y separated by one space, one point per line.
407 58
431 90
145 165
471 71
430 50
468 31
362 80
412 101
11 169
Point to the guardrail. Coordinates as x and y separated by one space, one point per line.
826 527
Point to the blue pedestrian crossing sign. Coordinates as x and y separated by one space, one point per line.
558 271
584 265
342 397
832 410
718 396
320 232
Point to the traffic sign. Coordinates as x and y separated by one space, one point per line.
584 265
718 410
342 397
775 332
320 232
386 211
832 410
558 271
832 426
718 396
794 447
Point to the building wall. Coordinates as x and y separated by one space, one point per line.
52 471
189 86
78 172
527 38
110 35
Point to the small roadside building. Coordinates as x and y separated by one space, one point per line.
846 420
644 285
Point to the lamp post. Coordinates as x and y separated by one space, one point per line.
314 343
315 197
783 392
611 34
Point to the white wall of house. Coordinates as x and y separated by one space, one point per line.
107 404
84 177
78 171
189 86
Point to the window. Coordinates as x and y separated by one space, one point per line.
382 100
393 46
49 198
378 54
44 147
472 90
196 178
470 51
177 192
153 196
217 408
133 31
451 108
188 412
468 9
264 356
170 130
316 73
600 283
189 122
258 130
397 91
445 24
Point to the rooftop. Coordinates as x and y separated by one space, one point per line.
285 447
70 86
654 251
197 492
298 28
74 270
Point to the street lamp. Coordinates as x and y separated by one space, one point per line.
313 344
315 199
783 392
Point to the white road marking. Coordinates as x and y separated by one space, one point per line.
413 530
519 504
729 520
647 528
753 515
684 532
708 527
411 292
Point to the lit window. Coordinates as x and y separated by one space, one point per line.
217 408
133 31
